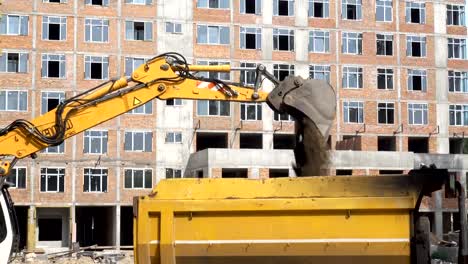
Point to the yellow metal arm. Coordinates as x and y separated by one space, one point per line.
155 79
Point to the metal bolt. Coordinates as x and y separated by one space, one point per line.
135 75
255 96
161 87
164 67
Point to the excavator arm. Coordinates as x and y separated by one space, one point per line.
167 76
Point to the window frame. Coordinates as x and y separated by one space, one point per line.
104 60
247 74
103 141
384 5
456 44
54 150
173 137
258 8
325 70
218 7
216 75
20 67
174 102
173 26
463 83
104 173
174 170
417 72
146 133
219 34
291 7
59 95
62 24
386 108
279 67
415 5
21 31
283 117
218 108
322 35
385 38
104 23
16 170
46 176
424 116
133 170
132 2
461 16
326 14
19 104
289 33
386 75
145 24
358 71
360 112
357 3
244 110
410 39
46 58
347 38
257 32
462 111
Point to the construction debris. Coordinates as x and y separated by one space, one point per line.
81 257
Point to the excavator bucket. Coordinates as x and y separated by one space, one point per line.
312 103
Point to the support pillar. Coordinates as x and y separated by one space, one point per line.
31 229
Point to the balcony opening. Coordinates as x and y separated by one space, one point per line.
278 173
458 146
344 172
234 173
52 227
95 225
251 141
96 2
451 222
418 144
22 216
349 143
126 226
211 140
386 143
284 141
387 172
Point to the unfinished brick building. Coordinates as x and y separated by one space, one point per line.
399 69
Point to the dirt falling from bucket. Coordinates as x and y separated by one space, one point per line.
311 152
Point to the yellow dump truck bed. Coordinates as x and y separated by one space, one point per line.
358 219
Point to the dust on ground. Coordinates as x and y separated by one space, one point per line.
101 257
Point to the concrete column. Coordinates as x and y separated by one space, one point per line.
301 13
441 55
302 47
302 70
117 226
267 43
31 229
267 11
254 173
438 219
72 224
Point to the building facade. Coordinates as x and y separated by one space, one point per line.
399 69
